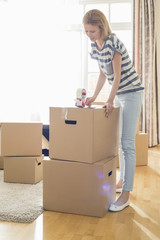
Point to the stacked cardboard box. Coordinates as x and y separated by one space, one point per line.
21 148
80 175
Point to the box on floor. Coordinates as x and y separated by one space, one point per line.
79 188
1 162
23 169
142 149
20 139
141 143
83 134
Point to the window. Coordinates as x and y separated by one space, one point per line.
45 53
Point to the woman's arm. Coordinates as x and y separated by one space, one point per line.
116 62
100 84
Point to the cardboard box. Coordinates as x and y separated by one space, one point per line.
141 143
23 169
1 162
79 188
20 139
83 134
142 149
137 129
102 103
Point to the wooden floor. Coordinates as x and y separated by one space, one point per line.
139 221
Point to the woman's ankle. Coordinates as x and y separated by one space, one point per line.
119 183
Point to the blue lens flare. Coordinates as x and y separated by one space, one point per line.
100 175
106 187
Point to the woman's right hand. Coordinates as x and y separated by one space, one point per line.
108 108
90 100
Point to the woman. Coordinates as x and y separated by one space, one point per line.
115 65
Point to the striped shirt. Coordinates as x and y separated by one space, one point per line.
130 81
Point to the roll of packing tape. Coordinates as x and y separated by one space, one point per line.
80 97
81 93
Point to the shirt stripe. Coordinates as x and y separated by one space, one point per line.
129 78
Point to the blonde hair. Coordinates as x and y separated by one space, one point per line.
96 17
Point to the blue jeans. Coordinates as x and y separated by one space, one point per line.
130 107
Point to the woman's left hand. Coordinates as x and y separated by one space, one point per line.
108 108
